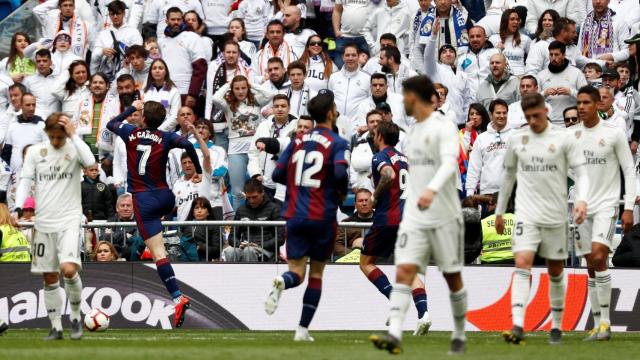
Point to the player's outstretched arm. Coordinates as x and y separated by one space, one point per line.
185 144
114 124
206 155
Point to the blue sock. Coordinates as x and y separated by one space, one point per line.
291 279
420 300
310 301
168 277
380 280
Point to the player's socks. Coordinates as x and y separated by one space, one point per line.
291 279
380 280
73 288
593 298
53 303
310 301
520 288
459 311
168 277
400 299
420 300
603 289
556 300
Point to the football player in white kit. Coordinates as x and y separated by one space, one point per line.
539 158
606 150
54 168
431 226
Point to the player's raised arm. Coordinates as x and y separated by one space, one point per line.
206 155
85 156
114 124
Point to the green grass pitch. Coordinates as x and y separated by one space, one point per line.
255 345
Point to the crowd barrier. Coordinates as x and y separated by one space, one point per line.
231 296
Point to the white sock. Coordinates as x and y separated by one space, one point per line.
593 298
459 311
603 289
400 300
556 299
53 302
73 288
520 287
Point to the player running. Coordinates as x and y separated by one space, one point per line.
539 158
314 167
606 150
147 154
390 172
54 168
431 227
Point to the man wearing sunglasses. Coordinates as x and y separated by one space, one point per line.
485 164
570 116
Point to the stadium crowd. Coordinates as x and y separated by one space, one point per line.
241 72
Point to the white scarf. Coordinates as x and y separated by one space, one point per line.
84 119
79 35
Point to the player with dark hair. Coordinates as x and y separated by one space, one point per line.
314 167
432 225
390 171
147 155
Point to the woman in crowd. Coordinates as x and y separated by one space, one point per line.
207 238
513 46
73 87
194 23
545 25
105 252
241 102
319 64
255 14
161 88
17 65
477 122
218 158
239 31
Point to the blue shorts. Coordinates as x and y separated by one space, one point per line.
311 238
380 240
149 207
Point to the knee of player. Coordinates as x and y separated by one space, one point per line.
68 270
405 273
50 278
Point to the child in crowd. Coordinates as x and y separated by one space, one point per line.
593 73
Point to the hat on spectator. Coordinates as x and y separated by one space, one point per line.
383 106
612 73
445 47
633 40
30 203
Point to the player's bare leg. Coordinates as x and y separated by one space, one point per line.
556 298
458 298
53 303
520 288
599 292
310 300
168 277
400 299
73 289
288 280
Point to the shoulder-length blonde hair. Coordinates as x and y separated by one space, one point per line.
114 252
5 215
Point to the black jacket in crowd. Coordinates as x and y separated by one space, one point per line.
628 252
97 201
269 210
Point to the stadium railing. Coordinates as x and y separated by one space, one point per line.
174 230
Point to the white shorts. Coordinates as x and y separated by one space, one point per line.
599 228
417 245
548 242
49 250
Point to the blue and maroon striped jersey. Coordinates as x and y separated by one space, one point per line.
314 167
390 204
147 153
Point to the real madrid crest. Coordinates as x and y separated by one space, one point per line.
67 157
100 186
552 148
578 134
525 140
43 152
601 143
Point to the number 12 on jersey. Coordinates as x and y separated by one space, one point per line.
304 177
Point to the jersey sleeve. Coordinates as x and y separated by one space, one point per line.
508 177
379 161
117 126
341 157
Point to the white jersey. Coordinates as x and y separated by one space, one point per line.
186 191
540 163
57 176
433 159
606 149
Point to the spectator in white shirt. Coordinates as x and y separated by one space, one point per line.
516 118
475 62
350 85
160 88
26 131
348 19
42 82
602 35
153 24
319 65
238 28
610 114
393 17
276 46
255 14
72 86
15 92
108 54
514 46
75 18
296 35
137 65
395 70
536 8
